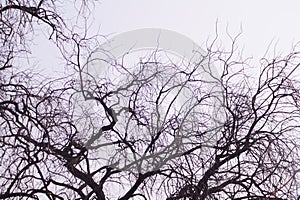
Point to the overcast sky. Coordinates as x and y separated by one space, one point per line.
262 21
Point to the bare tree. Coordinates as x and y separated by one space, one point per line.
158 131
255 156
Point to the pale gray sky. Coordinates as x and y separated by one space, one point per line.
262 21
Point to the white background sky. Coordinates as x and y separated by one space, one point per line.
262 21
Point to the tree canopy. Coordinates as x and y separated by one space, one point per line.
159 131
